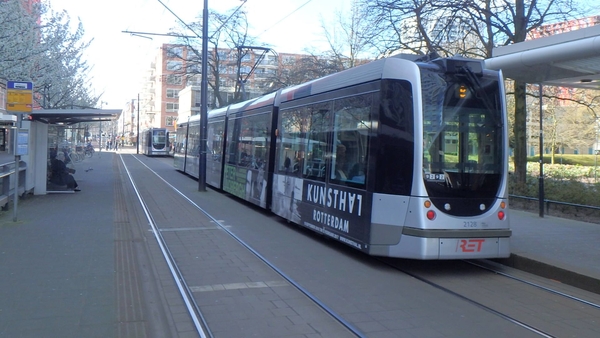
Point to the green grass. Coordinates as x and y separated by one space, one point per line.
583 160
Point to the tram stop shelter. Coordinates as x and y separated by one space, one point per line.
569 59
41 122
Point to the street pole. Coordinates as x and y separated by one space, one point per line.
17 160
138 125
541 178
100 136
203 101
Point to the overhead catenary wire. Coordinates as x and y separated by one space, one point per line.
237 9
180 20
285 17
192 30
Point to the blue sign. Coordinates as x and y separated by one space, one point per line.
20 85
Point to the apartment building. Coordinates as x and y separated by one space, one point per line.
172 85
564 26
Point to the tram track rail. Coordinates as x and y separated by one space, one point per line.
201 325
192 307
492 302
536 285
473 293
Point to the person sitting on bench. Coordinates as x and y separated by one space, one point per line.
60 173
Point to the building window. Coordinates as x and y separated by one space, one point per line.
173 79
245 70
170 121
194 68
172 107
172 93
288 59
223 55
195 80
174 65
175 52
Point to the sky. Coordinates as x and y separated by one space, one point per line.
118 60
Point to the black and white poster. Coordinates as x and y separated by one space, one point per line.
337 211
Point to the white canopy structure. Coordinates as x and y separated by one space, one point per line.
569 59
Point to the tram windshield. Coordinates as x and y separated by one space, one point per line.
462 133
159 139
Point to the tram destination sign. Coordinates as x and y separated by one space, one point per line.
19 97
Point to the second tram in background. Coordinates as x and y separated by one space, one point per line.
155 142
394 158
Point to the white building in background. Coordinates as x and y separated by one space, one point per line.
171 90
189 102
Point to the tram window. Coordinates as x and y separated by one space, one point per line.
292 144
303 141
395 147
215 140
233 126
318 125
249 141
193 143
159 137
352 128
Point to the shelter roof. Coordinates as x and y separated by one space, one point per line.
72 116
569 59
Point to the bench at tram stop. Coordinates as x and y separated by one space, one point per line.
52 188
7 170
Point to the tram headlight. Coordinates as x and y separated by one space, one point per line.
430 215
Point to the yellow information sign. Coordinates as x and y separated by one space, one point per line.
19 97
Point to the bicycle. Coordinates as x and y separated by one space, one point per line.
89 150
73 155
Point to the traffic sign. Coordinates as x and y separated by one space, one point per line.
19 97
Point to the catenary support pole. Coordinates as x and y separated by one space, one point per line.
203 100
541 177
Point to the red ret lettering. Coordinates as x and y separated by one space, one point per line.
471 245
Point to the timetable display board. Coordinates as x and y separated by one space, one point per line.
19 97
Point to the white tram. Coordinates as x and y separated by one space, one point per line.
395 158
155 142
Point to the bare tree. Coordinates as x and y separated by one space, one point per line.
226 32
296 69
422 26
415 26
349 37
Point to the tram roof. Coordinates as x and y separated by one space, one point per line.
569 59
73 116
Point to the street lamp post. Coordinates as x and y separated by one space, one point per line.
541 177
203 101
138 125
102 103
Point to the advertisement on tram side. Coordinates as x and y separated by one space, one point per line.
246 183
339 212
